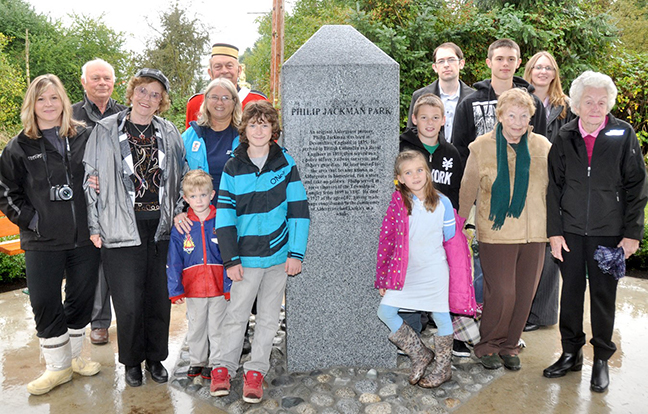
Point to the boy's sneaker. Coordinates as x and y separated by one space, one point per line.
194 372
253 387
206 373
220 382
460 349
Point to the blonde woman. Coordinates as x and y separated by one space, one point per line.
41 175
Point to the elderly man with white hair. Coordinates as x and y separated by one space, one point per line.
596 197
98 80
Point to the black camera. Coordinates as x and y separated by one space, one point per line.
61 193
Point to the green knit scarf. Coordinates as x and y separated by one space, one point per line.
501 206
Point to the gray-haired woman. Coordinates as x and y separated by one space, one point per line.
596 197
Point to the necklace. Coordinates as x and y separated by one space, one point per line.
141 133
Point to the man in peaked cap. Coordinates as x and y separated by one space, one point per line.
222 64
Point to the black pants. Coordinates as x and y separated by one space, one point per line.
138 284
45 272
578 266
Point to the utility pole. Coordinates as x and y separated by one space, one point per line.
277 50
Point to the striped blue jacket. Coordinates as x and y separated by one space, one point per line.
262 216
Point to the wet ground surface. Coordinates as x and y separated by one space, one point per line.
525 391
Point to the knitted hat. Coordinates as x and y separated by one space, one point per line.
225 50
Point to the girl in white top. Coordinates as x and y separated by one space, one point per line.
412 270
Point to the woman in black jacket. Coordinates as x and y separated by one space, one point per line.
596 197
41 177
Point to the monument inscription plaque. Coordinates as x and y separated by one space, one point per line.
340 97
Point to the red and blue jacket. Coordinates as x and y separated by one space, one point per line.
194 263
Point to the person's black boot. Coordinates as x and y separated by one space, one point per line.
133 375
600 376
566 362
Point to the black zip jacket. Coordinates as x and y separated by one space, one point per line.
445 164
25 191
606 198
475 115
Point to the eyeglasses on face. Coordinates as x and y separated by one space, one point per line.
224 99
449 61
539 68
141 92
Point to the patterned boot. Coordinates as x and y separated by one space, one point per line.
406 339
442 369
80 365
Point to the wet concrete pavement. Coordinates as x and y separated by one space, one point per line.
525 391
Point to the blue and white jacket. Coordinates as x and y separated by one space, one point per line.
263 216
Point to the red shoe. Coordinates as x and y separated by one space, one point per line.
252 387
220 382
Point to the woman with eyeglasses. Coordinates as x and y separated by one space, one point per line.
41 176
208 141
543 73
138 159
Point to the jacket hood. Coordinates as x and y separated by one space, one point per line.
518 82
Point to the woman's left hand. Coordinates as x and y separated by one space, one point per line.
382 291
630 246
182 224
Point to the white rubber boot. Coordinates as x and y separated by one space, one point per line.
58 362
80 365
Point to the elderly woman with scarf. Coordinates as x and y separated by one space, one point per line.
506 174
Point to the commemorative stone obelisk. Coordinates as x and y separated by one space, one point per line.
340 110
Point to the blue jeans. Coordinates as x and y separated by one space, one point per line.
389 316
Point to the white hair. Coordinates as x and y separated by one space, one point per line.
96 60
591 79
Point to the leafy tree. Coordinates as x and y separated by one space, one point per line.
306 18
575 31
11 93
631 17
177 51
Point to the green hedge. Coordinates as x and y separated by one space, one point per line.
11 267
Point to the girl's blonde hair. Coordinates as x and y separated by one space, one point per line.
556 95
237 112
431 194
28 114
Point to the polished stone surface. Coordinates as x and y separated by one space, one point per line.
340 103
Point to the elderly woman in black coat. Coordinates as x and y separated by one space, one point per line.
596 197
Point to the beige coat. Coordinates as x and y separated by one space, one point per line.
478 178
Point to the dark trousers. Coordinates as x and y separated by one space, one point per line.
138 284
544 310
511 274
578 266
101 314
45 272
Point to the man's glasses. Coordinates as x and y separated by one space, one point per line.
449 61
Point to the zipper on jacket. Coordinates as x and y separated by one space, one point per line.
204 250
589 173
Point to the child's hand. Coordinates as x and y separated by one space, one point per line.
293 266
235 273
179 301
382 291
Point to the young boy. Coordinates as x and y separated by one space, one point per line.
262 225
475 115
195 273
428 138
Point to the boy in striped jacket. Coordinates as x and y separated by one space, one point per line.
262 225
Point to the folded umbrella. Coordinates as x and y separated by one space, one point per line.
611 260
